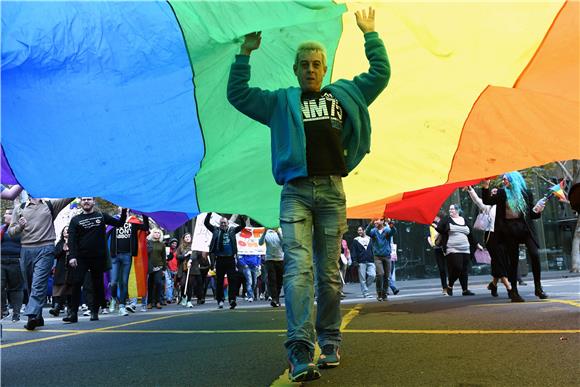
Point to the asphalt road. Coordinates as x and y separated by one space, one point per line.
416 338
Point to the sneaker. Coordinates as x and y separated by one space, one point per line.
329 357
112 305
302 368
104 310
233 304
449 291
444 292
189 304
87 313
220 305
274 304
123 311
468 293
250 299
131 308
396 291
15 317
143 308
84 307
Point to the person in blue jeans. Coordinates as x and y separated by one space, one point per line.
249 265
319 135
381 238
124 246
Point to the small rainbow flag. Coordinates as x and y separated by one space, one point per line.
558 191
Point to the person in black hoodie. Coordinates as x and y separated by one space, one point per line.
88 251
123 246
224 247
362 257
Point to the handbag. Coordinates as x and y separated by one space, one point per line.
482 256
482 222
393 252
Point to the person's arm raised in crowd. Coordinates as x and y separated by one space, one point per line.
12 192
376 79
207 222
142 226
58 205
112 221
263 237
486 196
476 199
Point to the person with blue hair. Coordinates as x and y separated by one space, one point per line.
514 224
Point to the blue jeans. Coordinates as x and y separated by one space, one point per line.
313 219
392 277
169 278
36 264
120 269
251 275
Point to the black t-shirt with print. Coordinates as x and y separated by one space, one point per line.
323 119
124 238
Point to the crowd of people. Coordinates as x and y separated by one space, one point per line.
319 135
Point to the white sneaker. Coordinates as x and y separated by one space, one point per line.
84 307
220 305
112 305
87 313
269 298
189 304
22 309
250 299
123 311
131 308
104 310
143 308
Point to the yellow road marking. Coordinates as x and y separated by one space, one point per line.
350 316
97 330
465 331
268 331
530 303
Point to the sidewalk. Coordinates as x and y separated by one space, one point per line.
352 290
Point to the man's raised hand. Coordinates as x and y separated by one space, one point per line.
366 22
251 42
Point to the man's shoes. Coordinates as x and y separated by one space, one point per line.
94 316
302 368
84 307
449 291
158 306
220 305
149 306
33 323
71 318
233 304
274 304
104 310
515 296
468 293
396 291
87 313
492 288
189 304
329 357
131 308
521 282
123 311
15 317
143 308
54 311
540 293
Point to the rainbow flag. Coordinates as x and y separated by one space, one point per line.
138 275
557 190
132 96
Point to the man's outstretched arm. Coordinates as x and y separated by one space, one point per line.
376 79
254 102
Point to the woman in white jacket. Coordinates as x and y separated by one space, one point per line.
499 266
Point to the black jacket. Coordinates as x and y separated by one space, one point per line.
500 200
217 236
361 255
